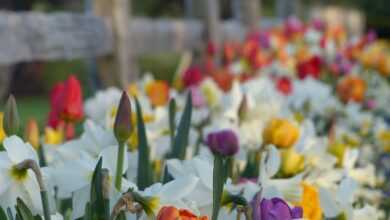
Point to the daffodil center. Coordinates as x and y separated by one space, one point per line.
18 174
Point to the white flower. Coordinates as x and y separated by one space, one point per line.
101 104
16 183
74 178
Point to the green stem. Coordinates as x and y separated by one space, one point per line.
31 164
42 157
45 204
218 181
119 166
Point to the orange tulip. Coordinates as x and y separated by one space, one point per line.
158 92
172 213
32 133
351 88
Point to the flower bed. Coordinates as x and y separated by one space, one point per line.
292 123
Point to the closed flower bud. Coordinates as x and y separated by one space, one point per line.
32 133
292 162
224 142
281 133
2 133
123 126
11 120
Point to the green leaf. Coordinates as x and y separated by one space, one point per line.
99 205
181 140
22 211
87 215
172 116
144 172
3 215
9 213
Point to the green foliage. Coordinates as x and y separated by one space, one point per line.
144 174
23 212
181 140
98 208
161 65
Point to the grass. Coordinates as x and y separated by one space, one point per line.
162 65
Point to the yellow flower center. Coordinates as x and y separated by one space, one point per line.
18 174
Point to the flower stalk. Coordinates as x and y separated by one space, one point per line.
122 130
31 164
218 181
119 166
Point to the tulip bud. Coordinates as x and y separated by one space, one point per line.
32 133
2 133
224 142
122 125
11 117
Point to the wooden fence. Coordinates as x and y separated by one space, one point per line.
109 33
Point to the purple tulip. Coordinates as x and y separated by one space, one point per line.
224 142
274 209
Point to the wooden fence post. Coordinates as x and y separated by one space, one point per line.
118 68
249 13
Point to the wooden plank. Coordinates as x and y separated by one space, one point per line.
37 36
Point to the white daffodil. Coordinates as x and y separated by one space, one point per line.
363 175
288 189
16 183
99 106
95 138
74 178
200 167
339 202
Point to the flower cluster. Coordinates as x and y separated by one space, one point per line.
292 123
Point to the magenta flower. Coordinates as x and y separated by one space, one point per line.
274 209
224 142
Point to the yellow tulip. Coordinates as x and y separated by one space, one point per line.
54 136
2 133
281 133
292 162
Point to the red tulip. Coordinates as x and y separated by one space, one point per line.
56 94
192 76
284 85
310 67
72 102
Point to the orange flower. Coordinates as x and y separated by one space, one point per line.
281 133
172 213
223 79
351 88
158 92
32 133
311 203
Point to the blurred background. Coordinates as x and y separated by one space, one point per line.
159 32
